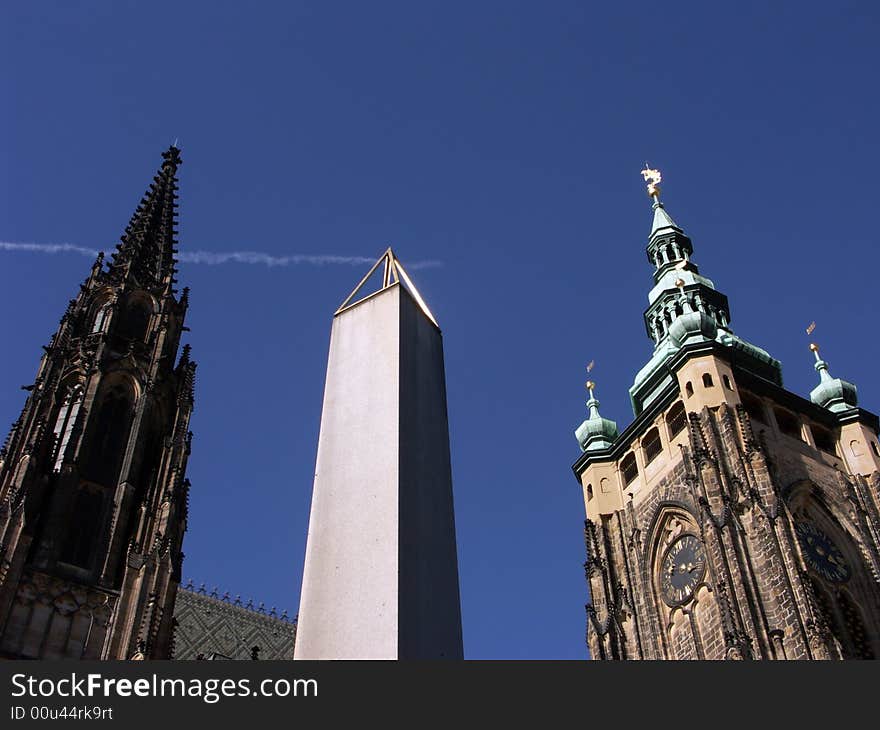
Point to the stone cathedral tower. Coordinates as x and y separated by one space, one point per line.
732 518
93 496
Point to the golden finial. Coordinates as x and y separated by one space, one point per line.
653 178
590 385
814 348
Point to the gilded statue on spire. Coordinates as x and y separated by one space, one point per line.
653 178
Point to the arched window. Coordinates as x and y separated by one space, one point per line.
707 381
64 423
108 436
652 445
589 492
727 382
676 419
842 581
688 389
844 619
875 449
629 468
85 523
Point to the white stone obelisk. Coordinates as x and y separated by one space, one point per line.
381 572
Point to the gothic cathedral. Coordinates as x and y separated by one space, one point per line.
732 519
93 494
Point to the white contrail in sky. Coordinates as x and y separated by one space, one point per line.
214 258
47 248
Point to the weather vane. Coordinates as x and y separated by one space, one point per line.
653 178
813 346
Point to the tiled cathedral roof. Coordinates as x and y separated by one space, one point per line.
211 626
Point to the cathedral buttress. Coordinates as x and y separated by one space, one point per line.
93 492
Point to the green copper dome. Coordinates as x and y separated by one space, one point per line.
691 326
834 394
596 432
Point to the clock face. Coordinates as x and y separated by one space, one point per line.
821 554
682 568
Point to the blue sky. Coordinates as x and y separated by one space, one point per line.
501 139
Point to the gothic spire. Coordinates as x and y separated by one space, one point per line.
662 221
186 371
146 251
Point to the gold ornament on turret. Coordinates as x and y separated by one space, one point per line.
589 385
653 178
814 347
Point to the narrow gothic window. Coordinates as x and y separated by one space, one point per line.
844 619
689 389
875 449
149 460
676 419
859 648
85 528
707 381
727 382
135 318
64 424
629 468
101 318
652 445
108 438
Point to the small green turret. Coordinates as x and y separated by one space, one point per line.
596 432
835 394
